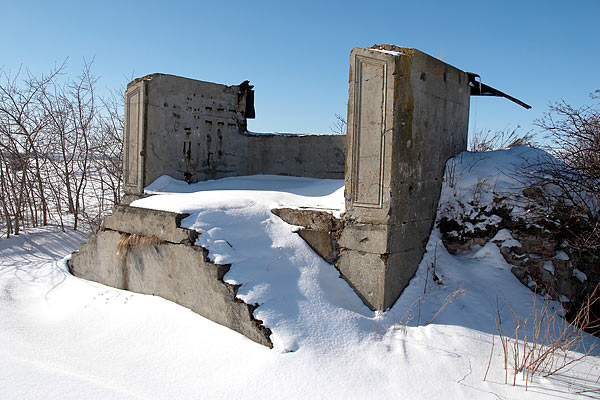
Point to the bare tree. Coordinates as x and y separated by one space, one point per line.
340 125
22 122
110 144
60 150
82 114
105 167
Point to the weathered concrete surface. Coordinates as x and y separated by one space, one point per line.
407 114
310 219
321 230
311 156
187 129
163 225
176 270
194 131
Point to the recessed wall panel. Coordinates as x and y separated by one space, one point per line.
132 145
368 140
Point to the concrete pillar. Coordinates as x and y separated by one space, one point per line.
133 137
407 114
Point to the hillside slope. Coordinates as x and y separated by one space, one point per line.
62 337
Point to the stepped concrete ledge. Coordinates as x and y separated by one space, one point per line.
320 229
146 251
161 224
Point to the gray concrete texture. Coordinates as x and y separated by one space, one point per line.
168 265
193 130
310 156
162 225
320 229
407 115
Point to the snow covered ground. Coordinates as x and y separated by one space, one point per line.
65 338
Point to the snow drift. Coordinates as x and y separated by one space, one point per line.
63 337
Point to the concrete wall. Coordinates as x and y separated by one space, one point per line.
312 156
407 114
165 264
193 131
188 129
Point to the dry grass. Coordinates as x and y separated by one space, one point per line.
414 311
449 299
543 343
488 141
129 241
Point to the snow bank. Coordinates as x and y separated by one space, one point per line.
63 337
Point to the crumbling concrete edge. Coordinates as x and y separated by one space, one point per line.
327 231
263 332
321 230
233 290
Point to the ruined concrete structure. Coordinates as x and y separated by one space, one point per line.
146 251
407 115
194 131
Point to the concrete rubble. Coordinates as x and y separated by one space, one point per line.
150 254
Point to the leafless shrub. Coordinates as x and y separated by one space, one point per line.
575 135
450 173
543 343
573 173
482 141
564 185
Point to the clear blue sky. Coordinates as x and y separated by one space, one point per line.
296 54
